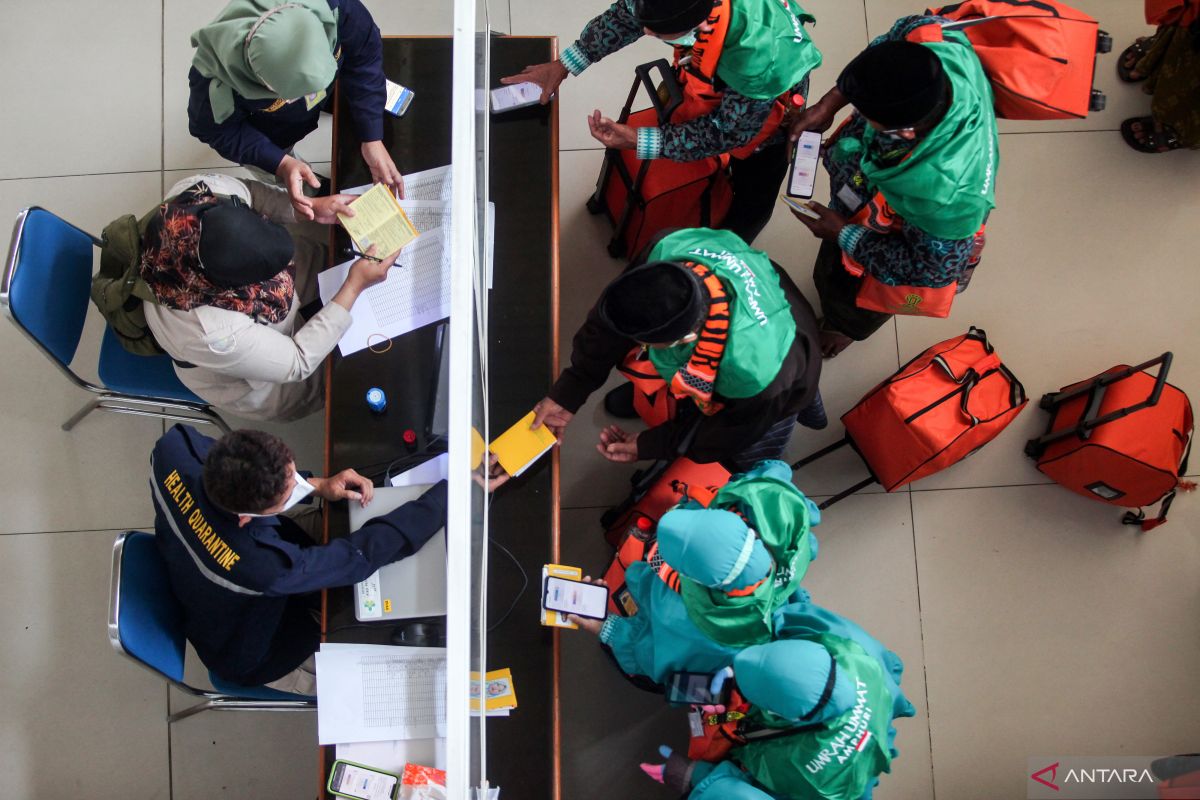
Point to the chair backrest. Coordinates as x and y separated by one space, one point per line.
145 621
47 281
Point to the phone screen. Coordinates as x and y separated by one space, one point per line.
691 688
807 157
361 783
576 597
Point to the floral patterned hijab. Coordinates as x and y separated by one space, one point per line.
172 269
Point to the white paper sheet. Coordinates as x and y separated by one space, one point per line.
434 470
416 293
375 693
429 184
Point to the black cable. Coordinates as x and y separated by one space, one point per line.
520 593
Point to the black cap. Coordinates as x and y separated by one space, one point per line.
896 84
672 16
238 247
659 302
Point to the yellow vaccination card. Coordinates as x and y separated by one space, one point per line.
519 446
379 220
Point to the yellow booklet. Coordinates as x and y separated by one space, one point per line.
552 619
498 691
379 220
519 446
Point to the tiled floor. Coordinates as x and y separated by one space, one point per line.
1030 622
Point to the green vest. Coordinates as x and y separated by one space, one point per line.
767 51
780 516
947 186
839 760
761 329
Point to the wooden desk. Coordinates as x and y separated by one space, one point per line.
522 756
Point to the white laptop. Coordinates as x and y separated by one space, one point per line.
412 587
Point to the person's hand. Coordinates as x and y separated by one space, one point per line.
655 771
364 273
548 76
588 624
828 226
383 169
494 477
293 174
618 446
553 416
326 209
817 117
346 485
612 134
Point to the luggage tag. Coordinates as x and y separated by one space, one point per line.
313 100
695 724
850 199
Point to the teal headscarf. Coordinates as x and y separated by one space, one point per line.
262 49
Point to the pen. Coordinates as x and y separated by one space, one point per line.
351 251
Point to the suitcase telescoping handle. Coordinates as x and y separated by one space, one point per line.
824 451
668 81
1095 389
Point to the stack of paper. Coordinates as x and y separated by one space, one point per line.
519 446
374 693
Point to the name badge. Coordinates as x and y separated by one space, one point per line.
849 198
694 723
311 101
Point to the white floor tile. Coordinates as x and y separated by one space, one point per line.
100 465
1121 18
77 720
83 89
1072 282
240 754
1050 628
865 571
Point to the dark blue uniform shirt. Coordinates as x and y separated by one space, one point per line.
249 594
260 131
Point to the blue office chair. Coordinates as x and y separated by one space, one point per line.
45 288
145 624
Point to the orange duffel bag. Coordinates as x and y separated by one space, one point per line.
1121 437
1039 55
938 409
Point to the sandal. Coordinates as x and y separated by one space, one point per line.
1154 138
1129 58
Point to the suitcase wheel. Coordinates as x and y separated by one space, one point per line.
1032 450
1047 402
1104 42
595 205
616 248
1098 101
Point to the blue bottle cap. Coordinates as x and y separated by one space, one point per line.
376 399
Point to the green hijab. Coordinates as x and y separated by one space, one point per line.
761 329
783 518
948 185
767 51
262 49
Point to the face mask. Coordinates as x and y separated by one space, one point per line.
687 40
301 490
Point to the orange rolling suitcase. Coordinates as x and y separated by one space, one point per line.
938 409
642 198
1121 437
630 526
1040 55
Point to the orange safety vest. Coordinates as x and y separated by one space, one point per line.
720 732
698 75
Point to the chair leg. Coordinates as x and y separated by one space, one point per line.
189 711
88 407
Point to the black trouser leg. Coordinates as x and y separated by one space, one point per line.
756 180
837 289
